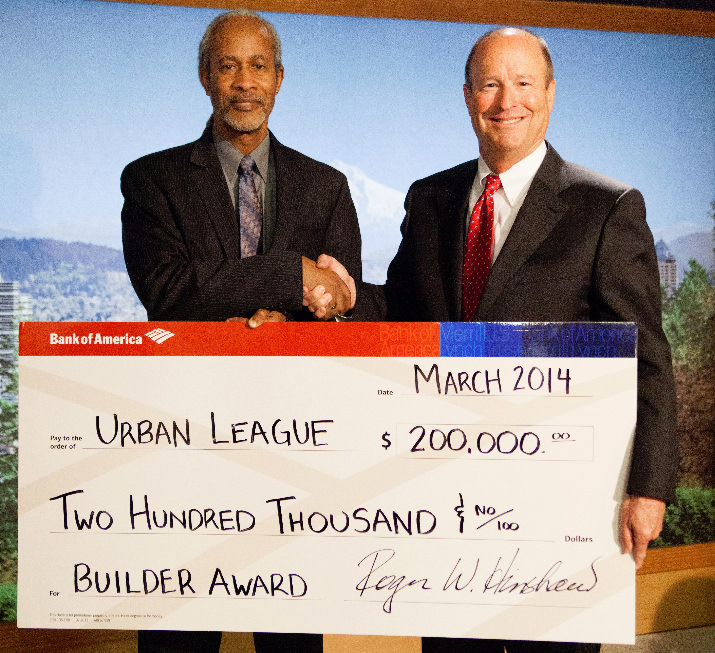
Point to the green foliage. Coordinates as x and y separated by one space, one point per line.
690 520
8 501
689 319
8 466
8 480
8 602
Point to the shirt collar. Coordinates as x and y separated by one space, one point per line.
515 180
230 156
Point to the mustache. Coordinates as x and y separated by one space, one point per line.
246 97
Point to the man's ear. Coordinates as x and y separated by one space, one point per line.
468 97
280 74
204 79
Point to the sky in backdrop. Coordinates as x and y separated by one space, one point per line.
87 86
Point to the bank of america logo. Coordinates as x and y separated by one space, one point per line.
159 335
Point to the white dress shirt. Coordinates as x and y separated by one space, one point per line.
509 198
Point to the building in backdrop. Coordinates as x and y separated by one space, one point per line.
667 267
15 307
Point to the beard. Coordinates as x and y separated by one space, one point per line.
243 122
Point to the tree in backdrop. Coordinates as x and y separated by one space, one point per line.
8 481
689 320
689 323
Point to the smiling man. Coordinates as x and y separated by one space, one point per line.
509 90
228 227
520 235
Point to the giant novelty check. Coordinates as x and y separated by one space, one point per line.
387 479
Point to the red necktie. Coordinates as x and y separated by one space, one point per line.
478 252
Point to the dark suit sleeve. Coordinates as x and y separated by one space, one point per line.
341 238
176 263
628 287
315 212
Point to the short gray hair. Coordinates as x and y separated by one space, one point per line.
237 13
484 37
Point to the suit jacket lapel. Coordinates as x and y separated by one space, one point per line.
289 192
541 211
211 186
451 210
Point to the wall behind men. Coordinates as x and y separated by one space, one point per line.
91 86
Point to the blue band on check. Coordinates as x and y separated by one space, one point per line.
539 339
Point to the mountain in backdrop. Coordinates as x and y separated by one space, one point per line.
22 257
70 282
9 233
380 212
698 246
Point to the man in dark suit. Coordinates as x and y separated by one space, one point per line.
567 244
228 226
181 232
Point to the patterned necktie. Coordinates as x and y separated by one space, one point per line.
478 252
249 209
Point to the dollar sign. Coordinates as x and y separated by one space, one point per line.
386 440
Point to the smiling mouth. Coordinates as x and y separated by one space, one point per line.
510 121
245 104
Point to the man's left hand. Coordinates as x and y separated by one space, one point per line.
640 521
259 317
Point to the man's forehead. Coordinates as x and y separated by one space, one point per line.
511 37
516 47
239 27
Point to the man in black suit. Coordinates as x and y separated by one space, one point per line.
181 232
568 245
228 226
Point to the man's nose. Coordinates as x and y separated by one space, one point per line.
243 78
507 96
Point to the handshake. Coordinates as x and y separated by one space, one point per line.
328 291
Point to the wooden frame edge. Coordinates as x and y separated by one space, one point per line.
672 558
534 13
674 589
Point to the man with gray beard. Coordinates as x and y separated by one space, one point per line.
229 226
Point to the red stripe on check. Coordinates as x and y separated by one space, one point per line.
229 339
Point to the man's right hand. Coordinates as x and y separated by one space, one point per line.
328 292
640 521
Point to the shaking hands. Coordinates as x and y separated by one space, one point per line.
328 289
